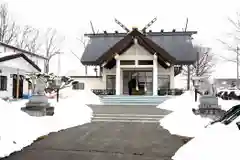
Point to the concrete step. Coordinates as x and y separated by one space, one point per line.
127 118
128 115
128 104
127 110
135 96
135 100
126 121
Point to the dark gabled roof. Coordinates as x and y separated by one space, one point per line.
22 50
18 55
177 44
125 43
176 33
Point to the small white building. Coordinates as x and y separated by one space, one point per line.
13 62
39 60
136 62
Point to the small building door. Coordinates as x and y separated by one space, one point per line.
14 86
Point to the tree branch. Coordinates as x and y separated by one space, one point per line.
75 55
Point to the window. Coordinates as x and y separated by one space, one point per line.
145 62
111 82
78 86
163 82
3 83
127 62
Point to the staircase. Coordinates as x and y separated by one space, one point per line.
133 100
127 118
130 113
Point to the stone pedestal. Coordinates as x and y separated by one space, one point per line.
209 107
208 101
38 104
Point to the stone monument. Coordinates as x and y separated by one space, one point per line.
38 104
208 106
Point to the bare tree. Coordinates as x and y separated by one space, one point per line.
52 46
235 39
205 63
8 28
28 39
84 42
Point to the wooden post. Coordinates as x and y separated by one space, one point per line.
86 71
58 95
197 74
17 89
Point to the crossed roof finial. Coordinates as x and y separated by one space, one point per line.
143 30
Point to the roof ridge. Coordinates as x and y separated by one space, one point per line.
17 55
22 50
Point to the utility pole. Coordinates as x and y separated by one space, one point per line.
59 64
58 73
188 66
237 68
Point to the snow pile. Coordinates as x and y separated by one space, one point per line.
183 102
19 130
87 95
15 130
182 121
217 142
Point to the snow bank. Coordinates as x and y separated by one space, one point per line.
182 121
179 103
217 142
87 96
18 129
184 124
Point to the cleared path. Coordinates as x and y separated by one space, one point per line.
107 140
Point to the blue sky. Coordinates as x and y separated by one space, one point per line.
71 18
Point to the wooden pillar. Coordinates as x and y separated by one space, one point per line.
118 75
155 75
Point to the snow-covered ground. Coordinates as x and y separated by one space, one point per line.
217 141
182 121
18 129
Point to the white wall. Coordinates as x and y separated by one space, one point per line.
4 51
169 71
136 52
18 65
92 83
38 61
